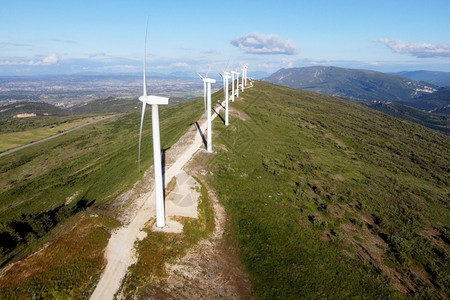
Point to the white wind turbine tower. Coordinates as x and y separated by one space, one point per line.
154 101
244 72
226 76
232 85
243 78
207 96
237 83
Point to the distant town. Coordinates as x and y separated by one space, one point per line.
69 90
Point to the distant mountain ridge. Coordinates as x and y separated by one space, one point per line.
434 77
351 83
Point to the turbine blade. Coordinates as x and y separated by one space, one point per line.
140 134
209 68
228 64
201 77
145 60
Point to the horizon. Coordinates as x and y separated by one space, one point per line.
193 75
59 38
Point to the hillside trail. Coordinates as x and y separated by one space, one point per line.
120 252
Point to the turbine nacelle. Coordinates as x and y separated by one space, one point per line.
154 100
209 80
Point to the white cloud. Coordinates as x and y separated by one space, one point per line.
8 44
49 60
122 68
420 50
52 59
259 43
92 55
180 65
63 41
210 51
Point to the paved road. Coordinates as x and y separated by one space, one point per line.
54 136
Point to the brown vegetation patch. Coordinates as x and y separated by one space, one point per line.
371 248
170 186
239 114
337 177
435 236
74 256
337 141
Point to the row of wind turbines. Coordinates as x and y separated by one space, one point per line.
207 96
154 101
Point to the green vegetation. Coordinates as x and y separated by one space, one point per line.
14 125
47 183
395 95
327 199
434 121
26 107
67 268
107 106
330 199
15 138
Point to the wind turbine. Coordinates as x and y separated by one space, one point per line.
244 70
154 101
237 83
226 76
232 85
242 79
207 95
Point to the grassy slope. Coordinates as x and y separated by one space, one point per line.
87 167
309 182
90 166
431 120
331 199
15 139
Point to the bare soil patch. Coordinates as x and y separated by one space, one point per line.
212 268
238 114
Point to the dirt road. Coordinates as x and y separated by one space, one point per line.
120 249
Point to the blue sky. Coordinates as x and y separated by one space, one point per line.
68 36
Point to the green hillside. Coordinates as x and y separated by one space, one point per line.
330 199
107 105
437 102
44 185
30 107
326 198
440 122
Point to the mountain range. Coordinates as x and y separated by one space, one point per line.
351 83
433 77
